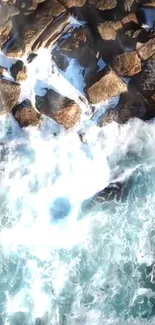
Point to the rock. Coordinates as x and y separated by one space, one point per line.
52 33
146 50
80 45
113 192
19 71
62 109
108 30
129 20
145 80
26 115
103 4
3 70
105 86
31 57
129 5
73 3
127 64
10 92
134 35
131 104
60 59
38 23
5 32
14 50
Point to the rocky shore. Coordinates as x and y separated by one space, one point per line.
114 32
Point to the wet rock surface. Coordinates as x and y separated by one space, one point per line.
127 64
9 92
62 109
19 71
26 115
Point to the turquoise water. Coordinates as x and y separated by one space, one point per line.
56 268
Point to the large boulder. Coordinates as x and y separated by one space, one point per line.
9 93
105 86
41 28
127 64
61 109
26 115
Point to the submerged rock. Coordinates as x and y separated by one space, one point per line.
63 110
114 192
26 115
106 86
9 93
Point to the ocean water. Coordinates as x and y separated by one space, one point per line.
57 268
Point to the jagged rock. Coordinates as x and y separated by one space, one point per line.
127 64
19 71
26 115
103 4
105 86
108 29
131 104
9 92
146 50
40 22
73 3
62 109
2 70
145 80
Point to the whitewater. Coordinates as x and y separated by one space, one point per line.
59 265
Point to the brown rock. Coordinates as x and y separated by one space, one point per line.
105 87
26 115
134 35
108 30
131 104
103 4
146 50
9 92
5 32
127 64
62 109
19 71
73 3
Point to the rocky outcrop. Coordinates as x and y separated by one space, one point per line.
127 64
19 71
41 29
105 86
26 115
9 93
61 109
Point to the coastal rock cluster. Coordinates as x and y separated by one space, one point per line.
112 31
